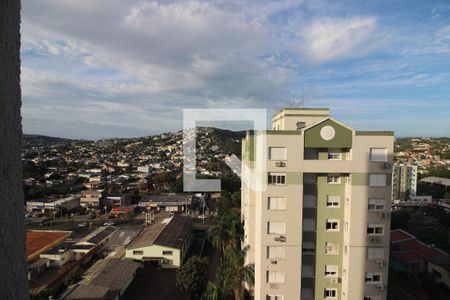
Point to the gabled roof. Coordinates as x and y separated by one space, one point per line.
332 119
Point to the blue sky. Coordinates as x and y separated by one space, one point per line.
110 68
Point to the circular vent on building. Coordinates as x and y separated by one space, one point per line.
327 133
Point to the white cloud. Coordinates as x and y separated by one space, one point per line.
328 39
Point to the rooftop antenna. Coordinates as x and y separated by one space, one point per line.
293 100
303 98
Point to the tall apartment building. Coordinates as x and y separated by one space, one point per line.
320 229
404 182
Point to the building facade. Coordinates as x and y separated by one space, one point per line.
319 226
404 182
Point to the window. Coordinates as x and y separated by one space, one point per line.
331 248
275 276
277 178
331 271
377 180
275 252
373 278
274 297
375 229
330 293
277 203
138 252
309 248
332 225
309 224
378 154
374 253
275 227
277 153
333 179
371 298
167 252
333 201
376 204
334 154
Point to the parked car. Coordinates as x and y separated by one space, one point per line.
202 217
83 224
109 223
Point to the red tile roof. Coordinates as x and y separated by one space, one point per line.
406 248
399 235
41 240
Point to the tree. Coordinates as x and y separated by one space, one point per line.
233 274
191 277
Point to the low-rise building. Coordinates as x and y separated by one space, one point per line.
439 268
166 202
92 198
165 242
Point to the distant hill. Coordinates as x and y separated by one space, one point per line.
42 140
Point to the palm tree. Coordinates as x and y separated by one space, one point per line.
234 274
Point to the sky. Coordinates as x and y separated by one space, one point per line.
108 68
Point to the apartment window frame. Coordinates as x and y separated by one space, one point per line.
280 154
330 293
275 178
331 271
375 181
373 229
138 252
309 248
279 203
372 278
378 157
375 205
276 252
275 276
332 225
331 248
375 253
275 297
272 223
167 252
333 179
334 154
333 201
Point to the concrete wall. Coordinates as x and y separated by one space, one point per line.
156 251
13 275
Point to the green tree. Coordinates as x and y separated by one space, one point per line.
191 277
233 274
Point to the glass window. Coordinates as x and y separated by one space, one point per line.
275 227
378 154
331 270
274 297
377 179
330 293
331 248
376 204
333 201
373 278
277 203
277 178
375 253
375 229
167 252
334 154
332 225
275 252
277 153
138 252
275 276
333 179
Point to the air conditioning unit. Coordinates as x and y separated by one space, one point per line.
332 280
380 287
380 263
279 238
374 239
274 286
273 262
387 166
384 215
280 164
